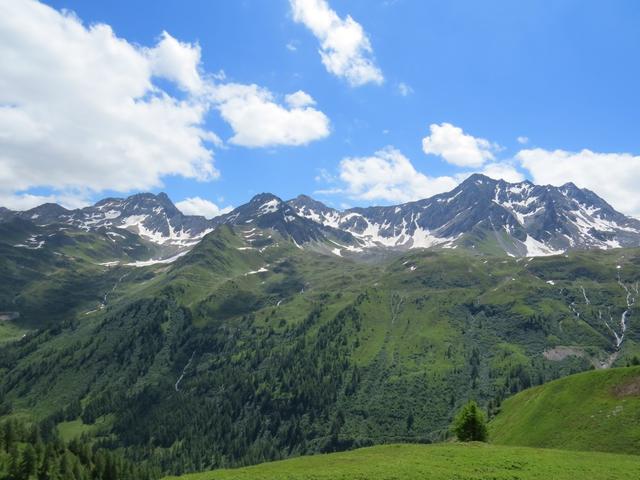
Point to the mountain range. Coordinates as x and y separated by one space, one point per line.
490 216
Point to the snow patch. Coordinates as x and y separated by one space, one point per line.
269 207
253 272
146 263
110 264
539 249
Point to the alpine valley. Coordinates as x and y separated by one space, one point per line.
286 328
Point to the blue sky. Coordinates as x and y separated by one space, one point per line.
563 74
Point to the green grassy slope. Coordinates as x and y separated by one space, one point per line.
598 410
439 462
51 274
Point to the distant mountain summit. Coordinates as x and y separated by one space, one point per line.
266 211
520 219
153 217
491 216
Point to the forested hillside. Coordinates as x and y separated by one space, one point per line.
250 349
27 452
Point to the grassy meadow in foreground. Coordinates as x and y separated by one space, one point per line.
475 461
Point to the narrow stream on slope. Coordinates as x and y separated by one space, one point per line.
106 295
184 370
625 315
619 335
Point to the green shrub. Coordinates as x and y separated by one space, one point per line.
469 424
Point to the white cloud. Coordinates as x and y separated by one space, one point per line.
299 99
258 121
78 106
613 176
81 108
26 201
503 171
457 147
201 206
522 140
292 46
404 89
176 61
388 175
345 49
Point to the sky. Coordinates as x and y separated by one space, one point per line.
354 102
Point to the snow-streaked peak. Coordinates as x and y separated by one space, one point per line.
536 220
153 217
521 219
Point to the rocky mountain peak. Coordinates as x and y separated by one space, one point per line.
516 218
520 219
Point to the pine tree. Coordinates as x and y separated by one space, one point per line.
49 467
29 462
66 468
469 424
8 434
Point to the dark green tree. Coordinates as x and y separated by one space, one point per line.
29 462
14 465
49 467
469 424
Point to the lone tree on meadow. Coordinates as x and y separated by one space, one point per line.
469 424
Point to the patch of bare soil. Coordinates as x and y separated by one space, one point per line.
631 388
561 352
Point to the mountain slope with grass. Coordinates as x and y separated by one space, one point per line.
597 410
439 462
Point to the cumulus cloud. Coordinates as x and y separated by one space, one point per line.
389 176
201 206
258 121
613 176
81 108
457 147
345 49
522 140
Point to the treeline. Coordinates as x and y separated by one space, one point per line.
28 453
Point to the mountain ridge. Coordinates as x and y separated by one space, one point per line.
493 216
526 219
